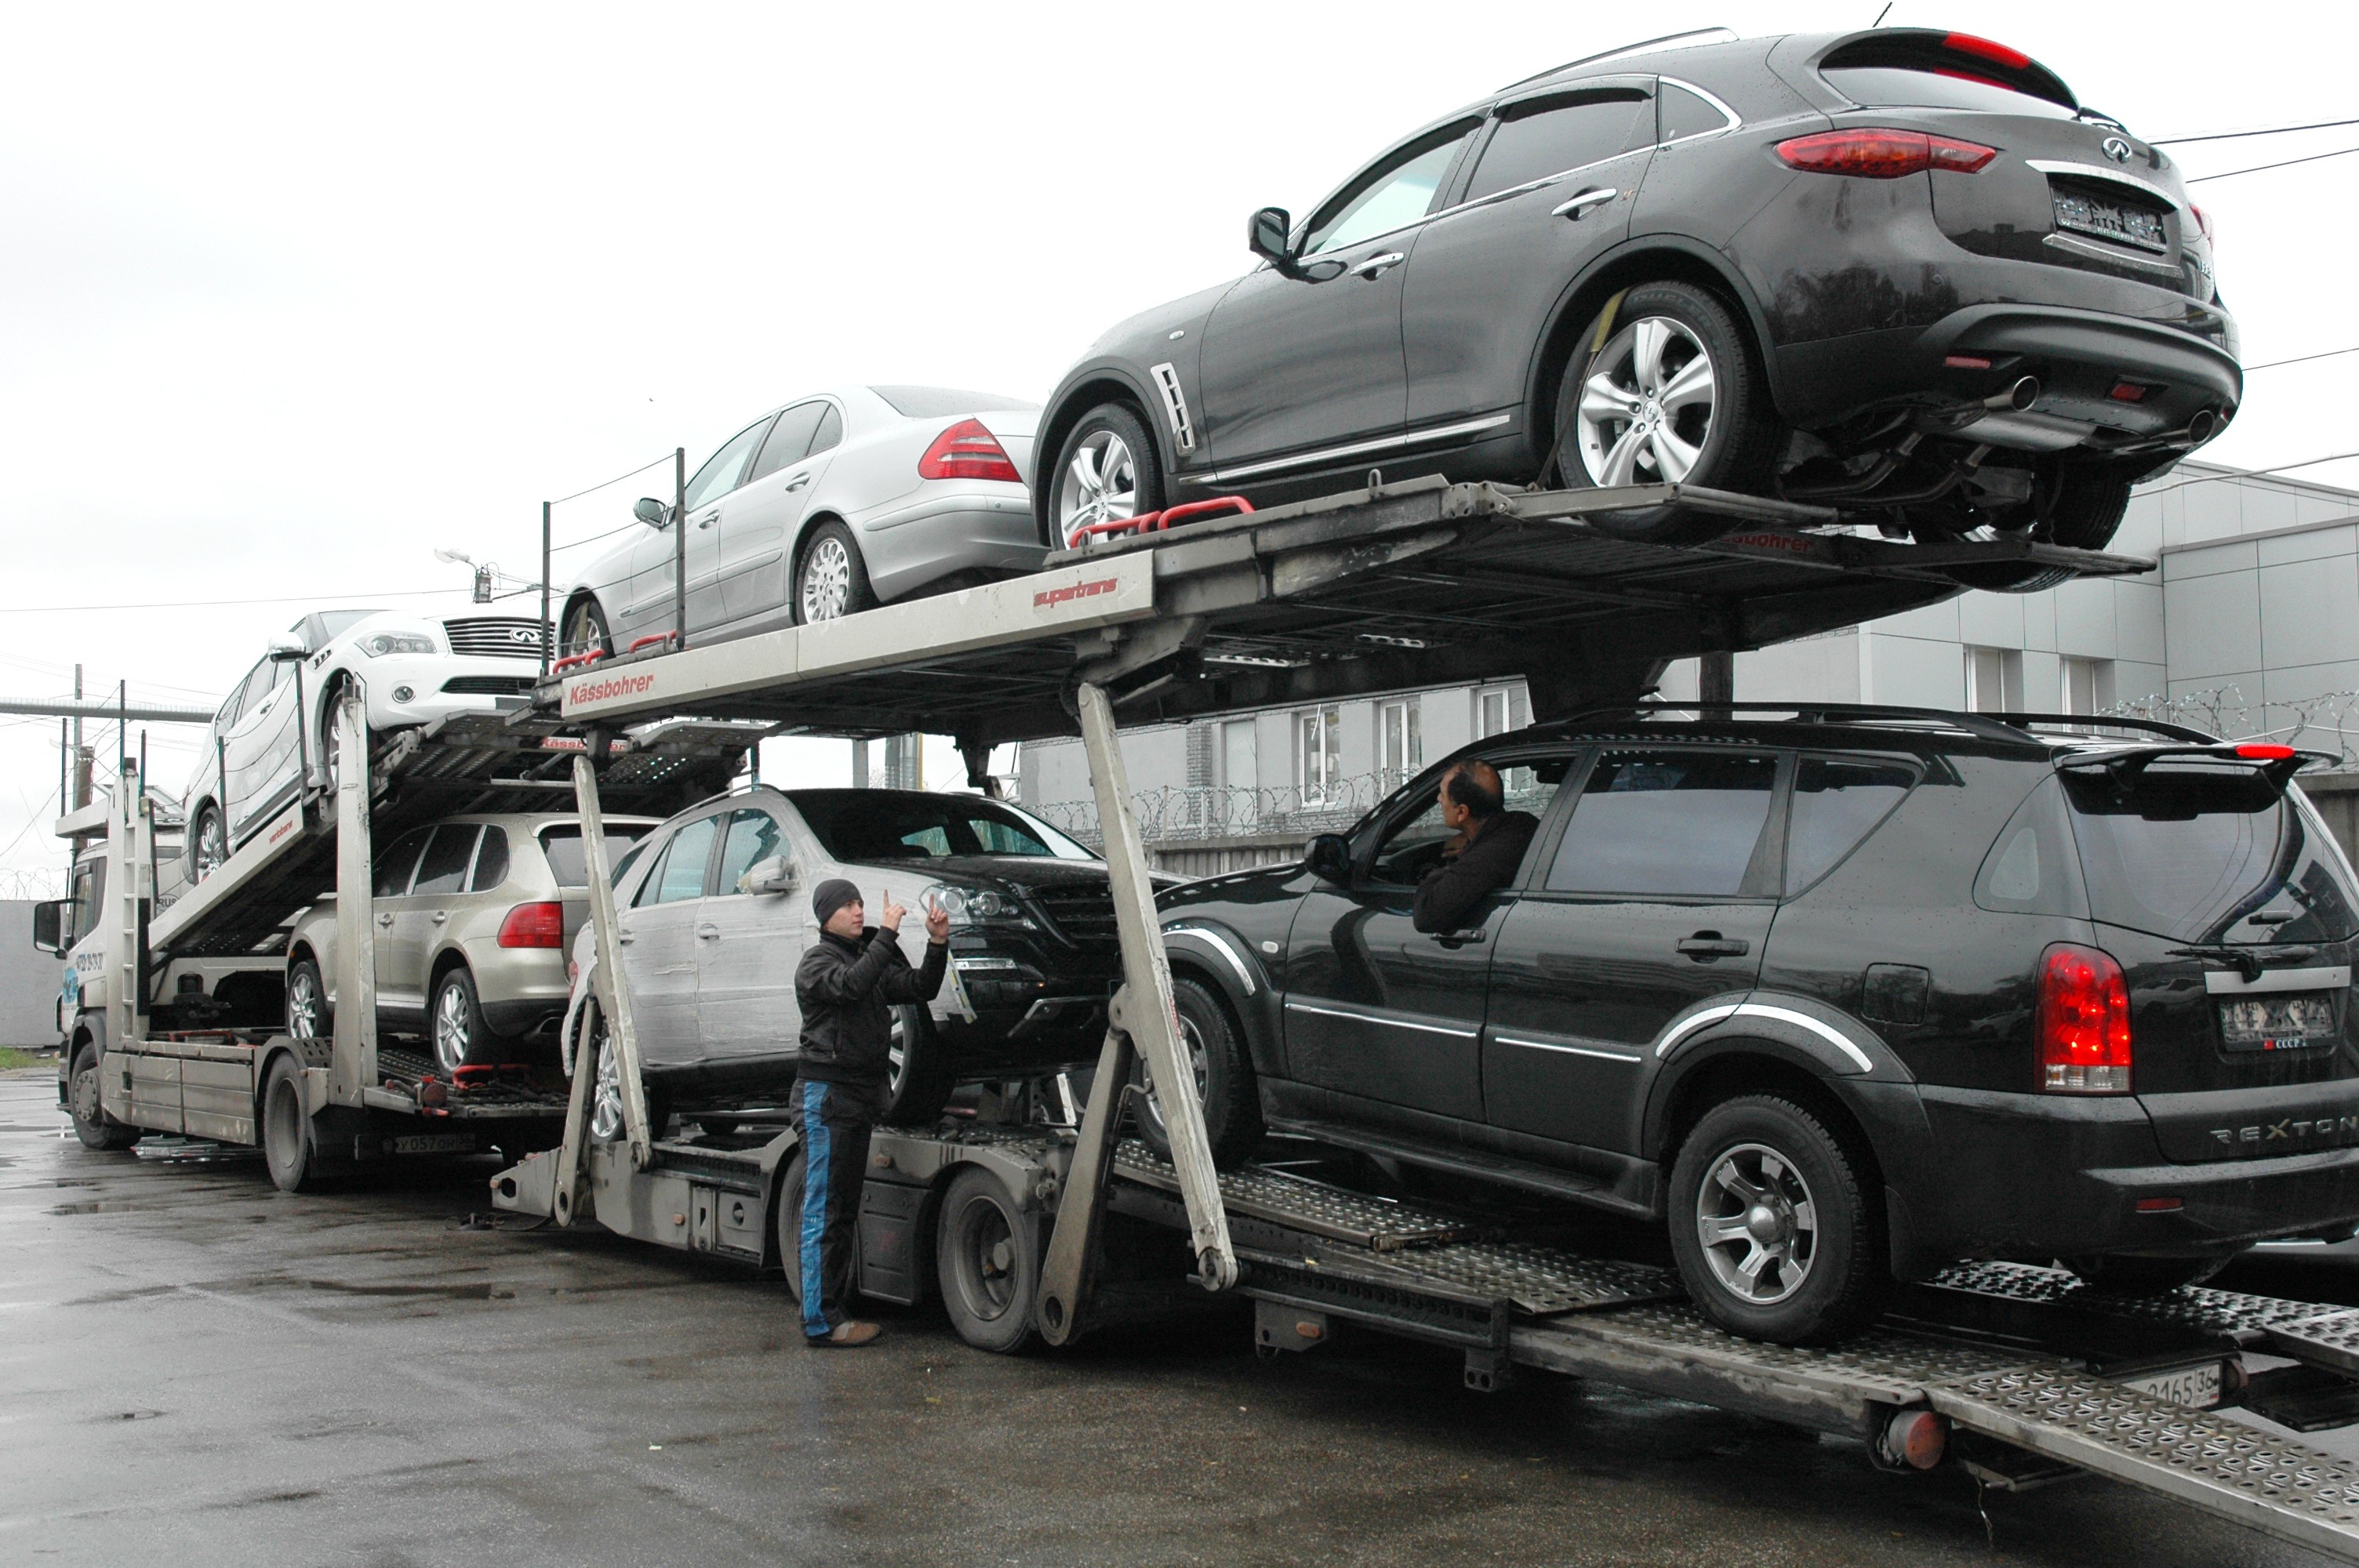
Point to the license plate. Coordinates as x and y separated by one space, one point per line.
2198 1387
435 1143
2120 221
2276 1023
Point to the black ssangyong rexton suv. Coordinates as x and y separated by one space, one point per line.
1838 996
1905 269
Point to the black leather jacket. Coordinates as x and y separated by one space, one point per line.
846 991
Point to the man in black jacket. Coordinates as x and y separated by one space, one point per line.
847 985
1484 856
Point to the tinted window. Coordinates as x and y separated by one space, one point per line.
448 856
1391 195
934 402
2199 854
754 837
830 431
393 864
1836 804
888 824
720 473
89 891
562 846
1679 112
1552 138
681 873
790 439
623 866
2030 867
491 861
1665 822
1896 87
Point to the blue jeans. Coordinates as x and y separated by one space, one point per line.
835 1120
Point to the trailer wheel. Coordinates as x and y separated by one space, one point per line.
1773 1223
919 1073
290 1146
789 1225
987 1261
1224 1080
92 1124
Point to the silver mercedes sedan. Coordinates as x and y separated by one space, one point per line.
831 505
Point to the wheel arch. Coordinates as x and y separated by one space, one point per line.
811 524
1226 965
1652 258
574 598
1089 385
1739 1065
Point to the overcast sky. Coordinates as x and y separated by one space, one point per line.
290 296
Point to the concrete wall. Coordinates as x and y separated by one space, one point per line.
30 980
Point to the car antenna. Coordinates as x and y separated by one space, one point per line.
1728 35
1881 15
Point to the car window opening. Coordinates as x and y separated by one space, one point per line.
1678 823
880 825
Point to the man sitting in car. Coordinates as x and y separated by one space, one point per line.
1484 855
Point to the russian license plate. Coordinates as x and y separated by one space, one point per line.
2198 1387
2286 1022
435 1143
2123 223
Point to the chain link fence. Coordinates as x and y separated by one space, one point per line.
1177 813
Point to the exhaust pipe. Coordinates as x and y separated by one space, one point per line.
2015 398
2202 428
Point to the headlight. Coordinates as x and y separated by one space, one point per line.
378 645
975 906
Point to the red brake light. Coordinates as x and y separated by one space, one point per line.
2259 751
534 925
967 451
1883 155
1983 49
2084 1022
2202 221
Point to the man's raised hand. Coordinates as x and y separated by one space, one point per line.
938 923
891 918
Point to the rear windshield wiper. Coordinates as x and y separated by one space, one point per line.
2248 961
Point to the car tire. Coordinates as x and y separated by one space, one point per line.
309 1017
2119 1275
830 579
2080 505
787 1225
208 843
584 630
290 1144
455 1025
92 1124
1762 1169
1610 430
919 1074
1224 1080
1107 469
605 1121
987 1262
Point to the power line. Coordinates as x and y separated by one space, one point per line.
2238 135
2300 359
2288 163
212 604
667 456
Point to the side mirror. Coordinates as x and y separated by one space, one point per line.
651 512
286 646
1329 859
1266 236
774 875
49 925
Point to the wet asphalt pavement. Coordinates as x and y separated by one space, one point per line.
197 1369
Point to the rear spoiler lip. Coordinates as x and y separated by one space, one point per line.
2128 762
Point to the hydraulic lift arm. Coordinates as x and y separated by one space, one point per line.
614 998
352 1032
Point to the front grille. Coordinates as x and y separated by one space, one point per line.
497 637
488 686
1082 916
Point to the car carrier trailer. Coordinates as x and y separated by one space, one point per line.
2021 1374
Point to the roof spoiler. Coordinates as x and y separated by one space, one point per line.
2277 762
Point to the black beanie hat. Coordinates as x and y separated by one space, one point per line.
832 895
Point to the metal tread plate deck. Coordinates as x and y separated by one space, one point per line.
1541 1281
1421 583
1376 1224
2319 1334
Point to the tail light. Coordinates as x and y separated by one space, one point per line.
2262 751
1883 155
534 925
2202 221
1983 49
2084 1022
967 451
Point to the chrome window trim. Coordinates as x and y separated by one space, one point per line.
1735 121
1352 450
2106 176
2326 978
1293 1006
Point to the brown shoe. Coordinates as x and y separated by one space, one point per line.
846 1336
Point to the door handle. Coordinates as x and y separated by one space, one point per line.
800 481
1375 266
1582 205
1460 938
1708 944
623 936
708 520
384 919
708 933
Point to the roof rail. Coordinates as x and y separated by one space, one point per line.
1701 34
2107 721
1983 725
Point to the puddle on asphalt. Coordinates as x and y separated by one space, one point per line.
482 1293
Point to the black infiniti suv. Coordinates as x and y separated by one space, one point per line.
1840 996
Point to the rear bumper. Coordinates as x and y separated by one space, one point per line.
948 526
2033 1176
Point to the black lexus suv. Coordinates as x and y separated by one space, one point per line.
1903 270
1840 996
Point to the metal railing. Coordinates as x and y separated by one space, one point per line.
1183 813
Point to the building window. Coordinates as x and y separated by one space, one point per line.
1994 680
1319 750
1240 775
1400 740
1500 709
2088 686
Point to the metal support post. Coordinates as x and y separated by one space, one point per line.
352 1036
614 998
128 828
547 633
1142 1019
679 547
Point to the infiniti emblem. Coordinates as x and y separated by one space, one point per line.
524 634
2117 149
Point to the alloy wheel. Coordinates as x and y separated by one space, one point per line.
1100 485
452 1030
584 630
1647 409
304 1008
896 1055
605 1092
826 587
1757 1223
213 847
1193 1041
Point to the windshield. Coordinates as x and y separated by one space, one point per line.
891 824
2209 854
561 843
